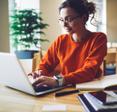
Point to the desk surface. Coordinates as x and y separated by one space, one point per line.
15 101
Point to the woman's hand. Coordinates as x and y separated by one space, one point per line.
32 76
36 74
38 79
45 81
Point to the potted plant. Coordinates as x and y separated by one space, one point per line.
26 27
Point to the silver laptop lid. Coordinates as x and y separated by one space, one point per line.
13 75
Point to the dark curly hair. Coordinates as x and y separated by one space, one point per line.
82 7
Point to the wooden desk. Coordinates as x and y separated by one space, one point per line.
15 101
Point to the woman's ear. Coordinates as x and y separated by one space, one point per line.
85 18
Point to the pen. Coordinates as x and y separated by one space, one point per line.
63 93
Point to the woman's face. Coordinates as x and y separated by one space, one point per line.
71 21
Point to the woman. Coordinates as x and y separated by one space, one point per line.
79 53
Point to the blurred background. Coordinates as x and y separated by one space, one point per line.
105 21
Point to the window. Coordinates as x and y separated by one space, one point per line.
100 17
22 4
26 4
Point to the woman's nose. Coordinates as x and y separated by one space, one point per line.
65 24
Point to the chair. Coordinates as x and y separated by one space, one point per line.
103 67
36 60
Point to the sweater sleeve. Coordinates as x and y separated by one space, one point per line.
50 59
91 64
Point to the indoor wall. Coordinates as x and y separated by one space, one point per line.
4 27
49 9
112 20
50 14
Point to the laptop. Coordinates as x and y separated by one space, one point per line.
13 75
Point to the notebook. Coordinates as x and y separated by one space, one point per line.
108 82
13 75
87 106
99 101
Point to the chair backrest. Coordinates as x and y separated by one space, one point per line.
36 60
103 67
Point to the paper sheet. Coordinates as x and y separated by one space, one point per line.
54 108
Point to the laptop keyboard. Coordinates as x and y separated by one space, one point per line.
43 88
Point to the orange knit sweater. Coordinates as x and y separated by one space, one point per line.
80 62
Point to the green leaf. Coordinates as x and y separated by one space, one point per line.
25 25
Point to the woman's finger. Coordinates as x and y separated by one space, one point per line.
34 74
38 80
42 84
30 74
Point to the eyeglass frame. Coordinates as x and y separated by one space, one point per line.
68 20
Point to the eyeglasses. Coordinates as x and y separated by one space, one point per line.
68 19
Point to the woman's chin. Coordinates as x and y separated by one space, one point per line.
69 31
